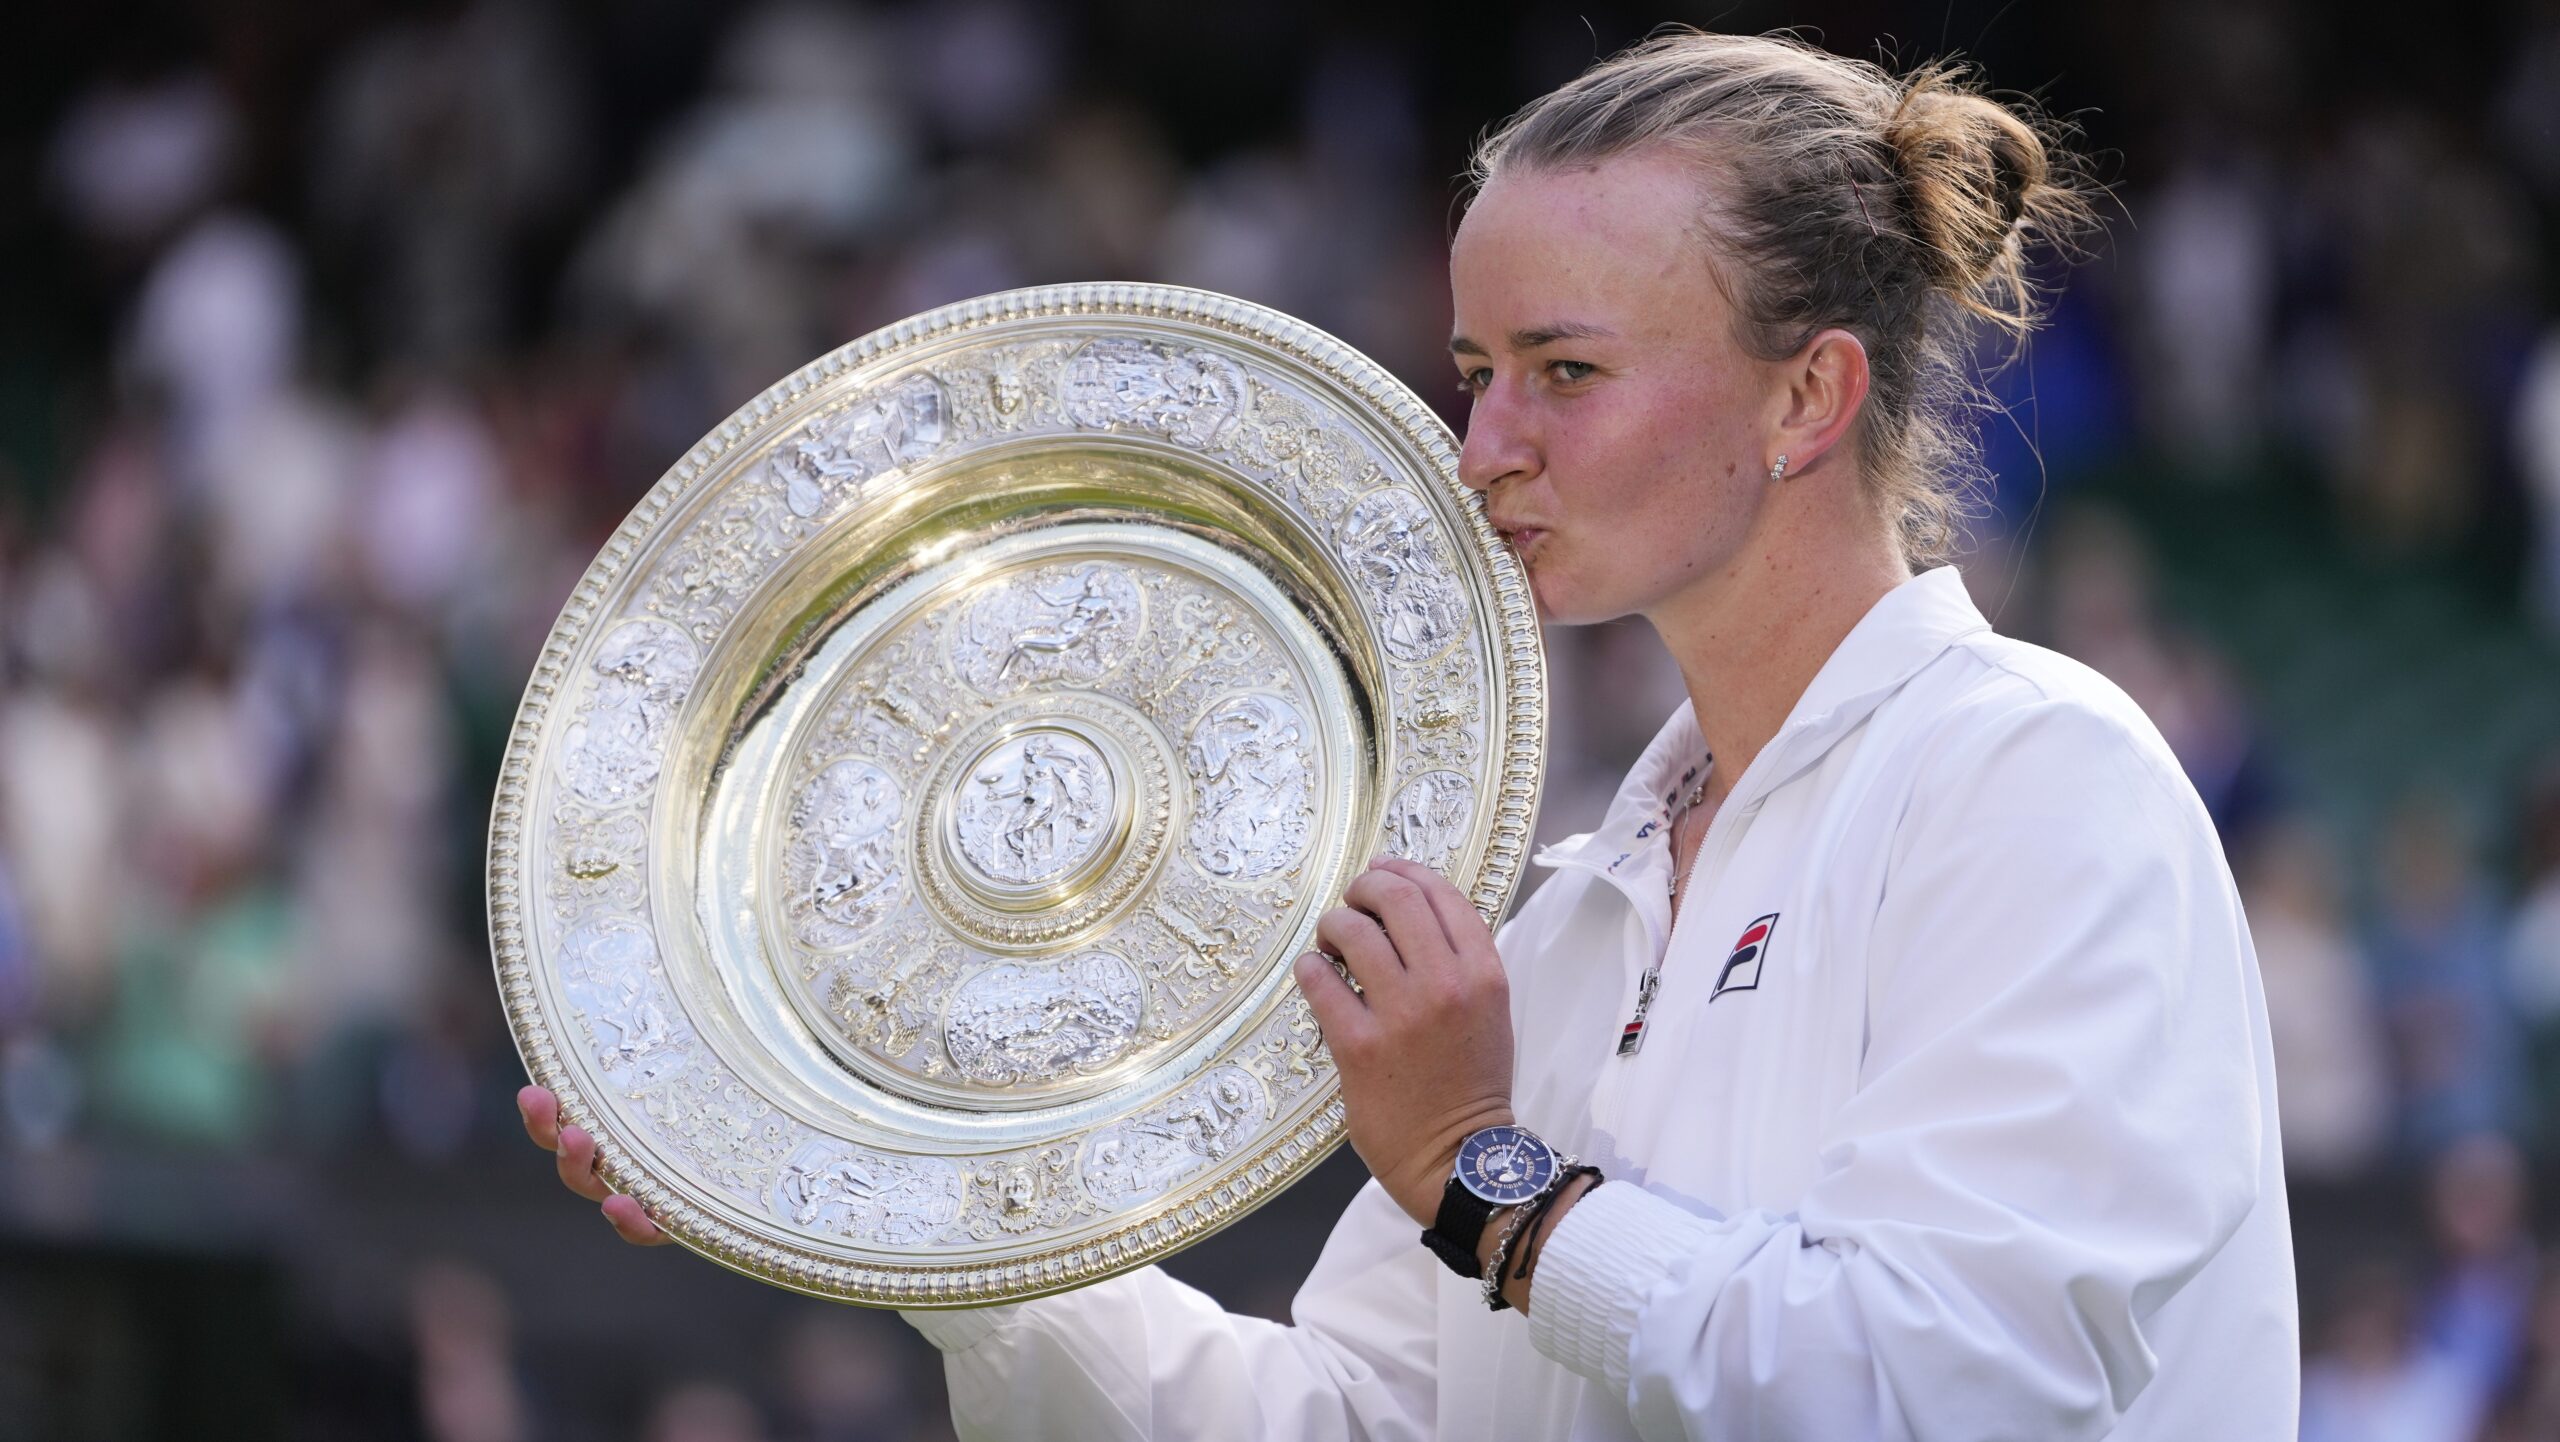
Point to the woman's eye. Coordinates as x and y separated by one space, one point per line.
1570 371
1474 381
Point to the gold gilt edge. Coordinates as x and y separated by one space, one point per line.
1278 1161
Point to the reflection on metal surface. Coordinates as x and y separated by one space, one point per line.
907 830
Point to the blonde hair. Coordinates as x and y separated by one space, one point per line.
1899 208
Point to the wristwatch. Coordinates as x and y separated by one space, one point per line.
1501 1166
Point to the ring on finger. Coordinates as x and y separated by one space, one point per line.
1342 969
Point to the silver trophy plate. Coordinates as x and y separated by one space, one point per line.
906 834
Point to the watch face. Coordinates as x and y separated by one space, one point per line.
1505 1165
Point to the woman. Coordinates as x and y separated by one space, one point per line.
1901 998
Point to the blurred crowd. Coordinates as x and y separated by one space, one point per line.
349 339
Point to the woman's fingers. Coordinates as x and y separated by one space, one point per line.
574 1154
1340 1012
1356 937
541 1113
1402 907
577 1163
1459 920
631 1223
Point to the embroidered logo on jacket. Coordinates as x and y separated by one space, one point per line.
1742 969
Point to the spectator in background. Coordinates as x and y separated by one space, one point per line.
841 1382
2475 1309
2205 268
2530 1411
703 1412
2439 944
467 1385
754 197
2373 1381
2104 613
134 155
2533 938
2429 308
2331 1069
445 142
2536 429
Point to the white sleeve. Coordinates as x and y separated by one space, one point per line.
2057 1124
1144 1356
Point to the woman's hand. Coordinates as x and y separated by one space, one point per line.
1424 1046
576 1154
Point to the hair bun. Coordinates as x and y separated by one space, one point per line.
1974 172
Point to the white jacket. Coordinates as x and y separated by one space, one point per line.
1980 1143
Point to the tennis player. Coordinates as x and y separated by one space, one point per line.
1890 1060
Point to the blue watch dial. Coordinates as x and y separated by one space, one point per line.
1505 1165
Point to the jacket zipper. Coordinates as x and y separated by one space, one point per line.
1631 1040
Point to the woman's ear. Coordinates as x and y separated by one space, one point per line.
1824 387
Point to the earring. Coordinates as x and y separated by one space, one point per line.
1778 472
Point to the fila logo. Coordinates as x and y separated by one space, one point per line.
1742 969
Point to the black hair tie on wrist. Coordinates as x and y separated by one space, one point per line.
1537 1217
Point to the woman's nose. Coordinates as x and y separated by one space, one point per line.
1497 444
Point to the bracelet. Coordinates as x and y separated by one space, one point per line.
1492 1280
1532 1213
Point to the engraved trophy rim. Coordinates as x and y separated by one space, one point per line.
695 702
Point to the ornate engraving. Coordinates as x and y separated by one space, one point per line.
1188 396
1199 937
1307 460
610 970
1251 756
898 706
1204 1122
886 995
643 671
1141 767
1025 1192
1037 1023
1006 388
840 868
1062 624
894 1201
1428 818
825 464
1034 808
1440 723
1289 1052
598 859
644 1047
719 560
1392 546
725 1128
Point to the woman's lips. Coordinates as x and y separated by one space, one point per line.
1524 539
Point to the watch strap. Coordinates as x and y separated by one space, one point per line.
1455 1233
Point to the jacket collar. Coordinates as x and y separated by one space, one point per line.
1906 629
1909 627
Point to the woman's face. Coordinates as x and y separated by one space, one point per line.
1618 430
